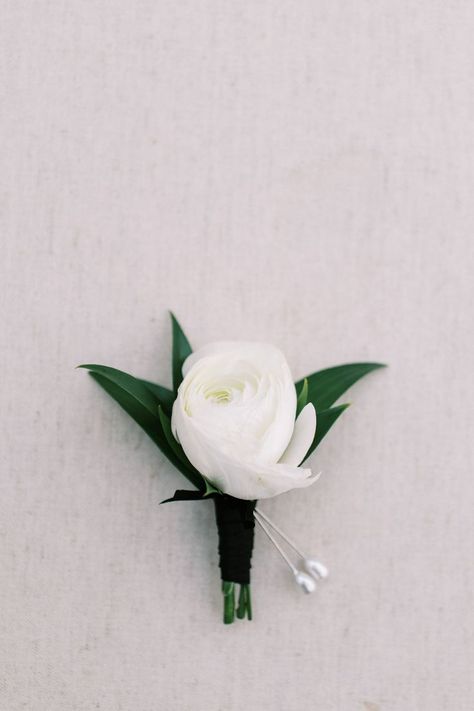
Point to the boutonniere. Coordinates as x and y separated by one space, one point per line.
240 430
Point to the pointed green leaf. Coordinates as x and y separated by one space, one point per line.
148 421
326 386
183 495
210 488
180 453
325 420
181 350
141 405
128 383
164 396
141 389
302 397
174 445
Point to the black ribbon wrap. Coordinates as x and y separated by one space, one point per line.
235 526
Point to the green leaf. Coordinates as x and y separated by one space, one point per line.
174 445
148 421
183 495
210 488
142 406
181 454
142 389
326 386
302 397
128 383
164 396
181 350
325 420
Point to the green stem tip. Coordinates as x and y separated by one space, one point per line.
228 590
248 601
244 605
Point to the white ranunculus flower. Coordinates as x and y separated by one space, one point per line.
234 416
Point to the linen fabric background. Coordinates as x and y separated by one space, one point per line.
300 173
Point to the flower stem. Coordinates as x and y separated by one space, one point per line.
241 609
228 590
248 601
245 603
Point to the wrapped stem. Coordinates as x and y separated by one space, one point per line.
235 526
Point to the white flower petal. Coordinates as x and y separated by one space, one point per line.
236 477
303 435
234 416
246 481
264 354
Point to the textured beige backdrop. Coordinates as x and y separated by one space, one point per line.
300 172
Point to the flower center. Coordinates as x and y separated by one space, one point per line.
220 397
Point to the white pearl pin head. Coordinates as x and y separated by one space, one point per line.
315 568
305 581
